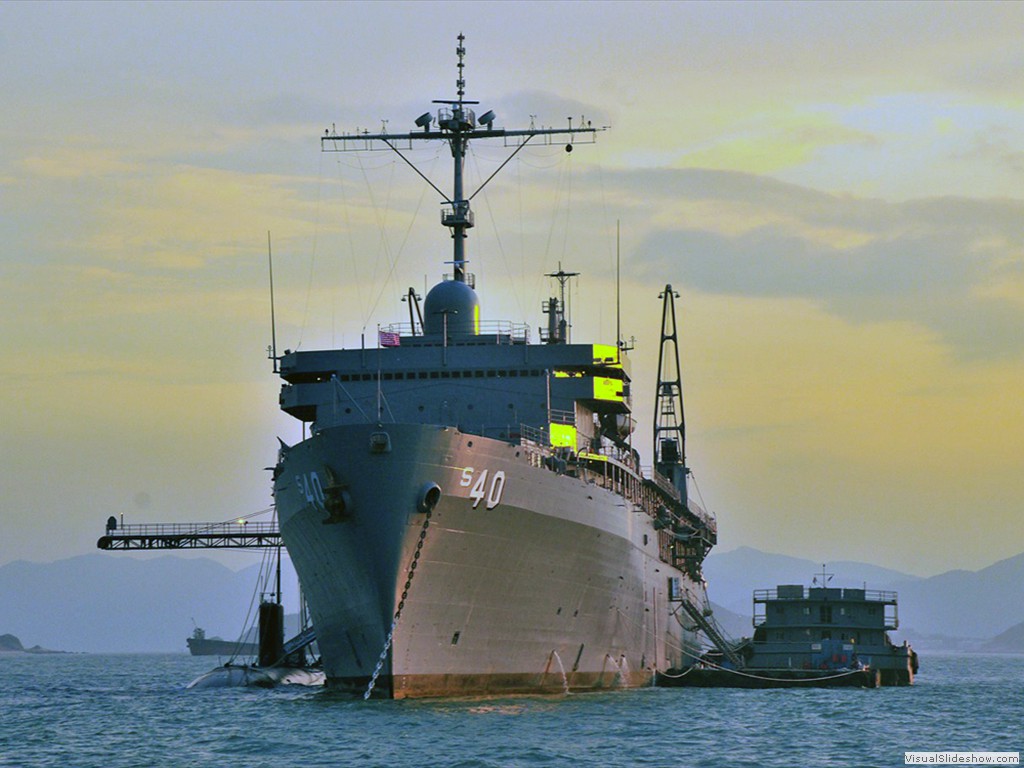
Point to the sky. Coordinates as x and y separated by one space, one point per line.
835 190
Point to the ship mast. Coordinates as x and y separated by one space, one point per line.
457 123
669 420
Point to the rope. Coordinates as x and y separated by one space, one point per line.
733 671
398 612
752 676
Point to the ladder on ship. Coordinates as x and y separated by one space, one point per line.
300 641
711 630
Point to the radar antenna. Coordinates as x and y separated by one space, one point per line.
456 123
559 313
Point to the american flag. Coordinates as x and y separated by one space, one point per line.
388 339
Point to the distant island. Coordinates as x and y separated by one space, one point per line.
11 644
1010 641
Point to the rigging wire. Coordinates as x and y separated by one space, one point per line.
379 217
565 168
389 278
514 286
312 258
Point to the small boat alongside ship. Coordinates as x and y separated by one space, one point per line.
811 636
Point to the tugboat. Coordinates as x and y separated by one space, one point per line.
819 636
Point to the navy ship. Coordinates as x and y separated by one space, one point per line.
468 514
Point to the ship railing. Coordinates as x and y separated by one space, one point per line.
534 436
558 416
469 277
797 592
503 331
240 534
541 435
703 515
663 484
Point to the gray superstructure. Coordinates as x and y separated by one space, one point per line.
468 514
828 628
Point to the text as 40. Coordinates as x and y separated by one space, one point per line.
479 490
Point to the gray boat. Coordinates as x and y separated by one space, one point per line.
811 636
201 645
468 514
829 630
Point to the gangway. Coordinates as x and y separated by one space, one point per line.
236 534
300 641
711 630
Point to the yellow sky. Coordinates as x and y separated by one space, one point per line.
834 188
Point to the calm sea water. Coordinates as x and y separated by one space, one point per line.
86 711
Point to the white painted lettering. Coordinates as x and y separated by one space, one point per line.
497 488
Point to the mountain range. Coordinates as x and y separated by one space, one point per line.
117 603
955 610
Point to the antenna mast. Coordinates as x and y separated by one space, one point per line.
456 123
618 301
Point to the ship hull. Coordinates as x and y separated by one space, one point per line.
518 579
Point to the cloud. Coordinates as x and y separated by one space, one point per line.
68 163
950 264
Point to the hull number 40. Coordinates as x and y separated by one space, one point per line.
481 490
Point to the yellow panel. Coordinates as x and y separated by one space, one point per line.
606 354
476 320
607 389
562 435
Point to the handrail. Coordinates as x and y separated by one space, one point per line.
516 332
192 529
230 535
849 593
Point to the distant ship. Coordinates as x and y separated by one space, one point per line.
201 645
468 514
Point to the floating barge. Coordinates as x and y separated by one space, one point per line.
815 637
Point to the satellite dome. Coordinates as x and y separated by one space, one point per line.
456 300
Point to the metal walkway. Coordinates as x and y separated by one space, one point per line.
300 641
710 628
233 535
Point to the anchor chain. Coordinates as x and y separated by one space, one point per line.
401 605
